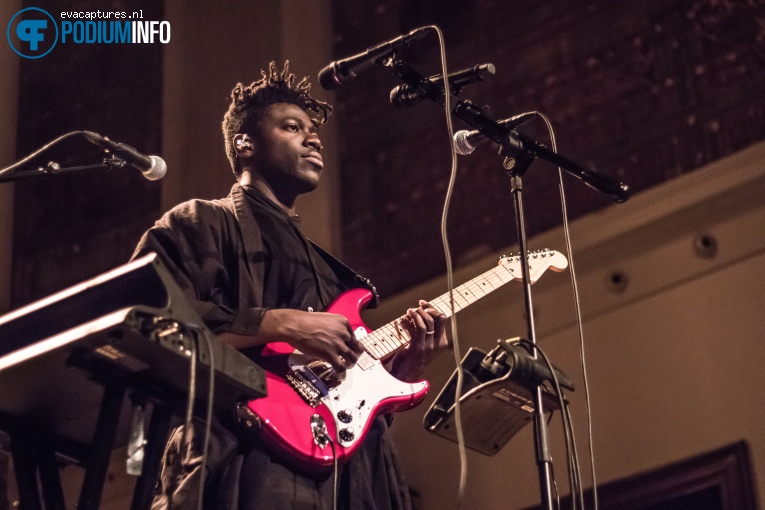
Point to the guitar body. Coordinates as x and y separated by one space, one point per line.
307 402
347 410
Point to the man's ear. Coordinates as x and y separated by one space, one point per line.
243 146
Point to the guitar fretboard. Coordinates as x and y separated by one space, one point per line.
387 339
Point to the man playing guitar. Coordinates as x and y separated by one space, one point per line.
259 284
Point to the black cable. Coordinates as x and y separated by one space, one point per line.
39 151
335 472
576 458
552 464
208 417
192 392
450 276
578 310
567 429
555 484
189 413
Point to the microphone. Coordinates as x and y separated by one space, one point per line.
406 95
466 141
152 167
341 72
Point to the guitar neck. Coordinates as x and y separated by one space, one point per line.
386 340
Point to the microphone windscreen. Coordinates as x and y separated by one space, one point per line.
461 143
157 170
328 78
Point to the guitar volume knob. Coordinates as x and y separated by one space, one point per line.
345 416
347 434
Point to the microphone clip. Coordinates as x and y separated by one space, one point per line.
408 95
113 161
525 368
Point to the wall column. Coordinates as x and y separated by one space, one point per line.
9 88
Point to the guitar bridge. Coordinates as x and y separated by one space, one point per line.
304 388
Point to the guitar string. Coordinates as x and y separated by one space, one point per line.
385 337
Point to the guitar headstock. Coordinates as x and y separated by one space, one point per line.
539 262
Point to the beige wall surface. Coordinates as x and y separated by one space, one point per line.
674 360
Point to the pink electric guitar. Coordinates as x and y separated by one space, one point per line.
307 404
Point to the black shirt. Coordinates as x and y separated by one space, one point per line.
295 274
235 258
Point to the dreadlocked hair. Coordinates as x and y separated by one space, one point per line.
248 103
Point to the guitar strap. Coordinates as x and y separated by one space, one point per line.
250 233
347 276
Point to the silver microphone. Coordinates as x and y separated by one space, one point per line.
466 141
152 167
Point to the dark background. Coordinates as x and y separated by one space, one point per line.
640 91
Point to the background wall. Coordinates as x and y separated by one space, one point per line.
673 351
69 227
641 91
215 46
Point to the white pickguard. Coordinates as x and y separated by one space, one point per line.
364 386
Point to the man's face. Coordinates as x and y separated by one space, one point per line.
286 149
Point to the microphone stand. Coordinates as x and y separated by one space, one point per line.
519 153
541 434
53 168
518 158
516 148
